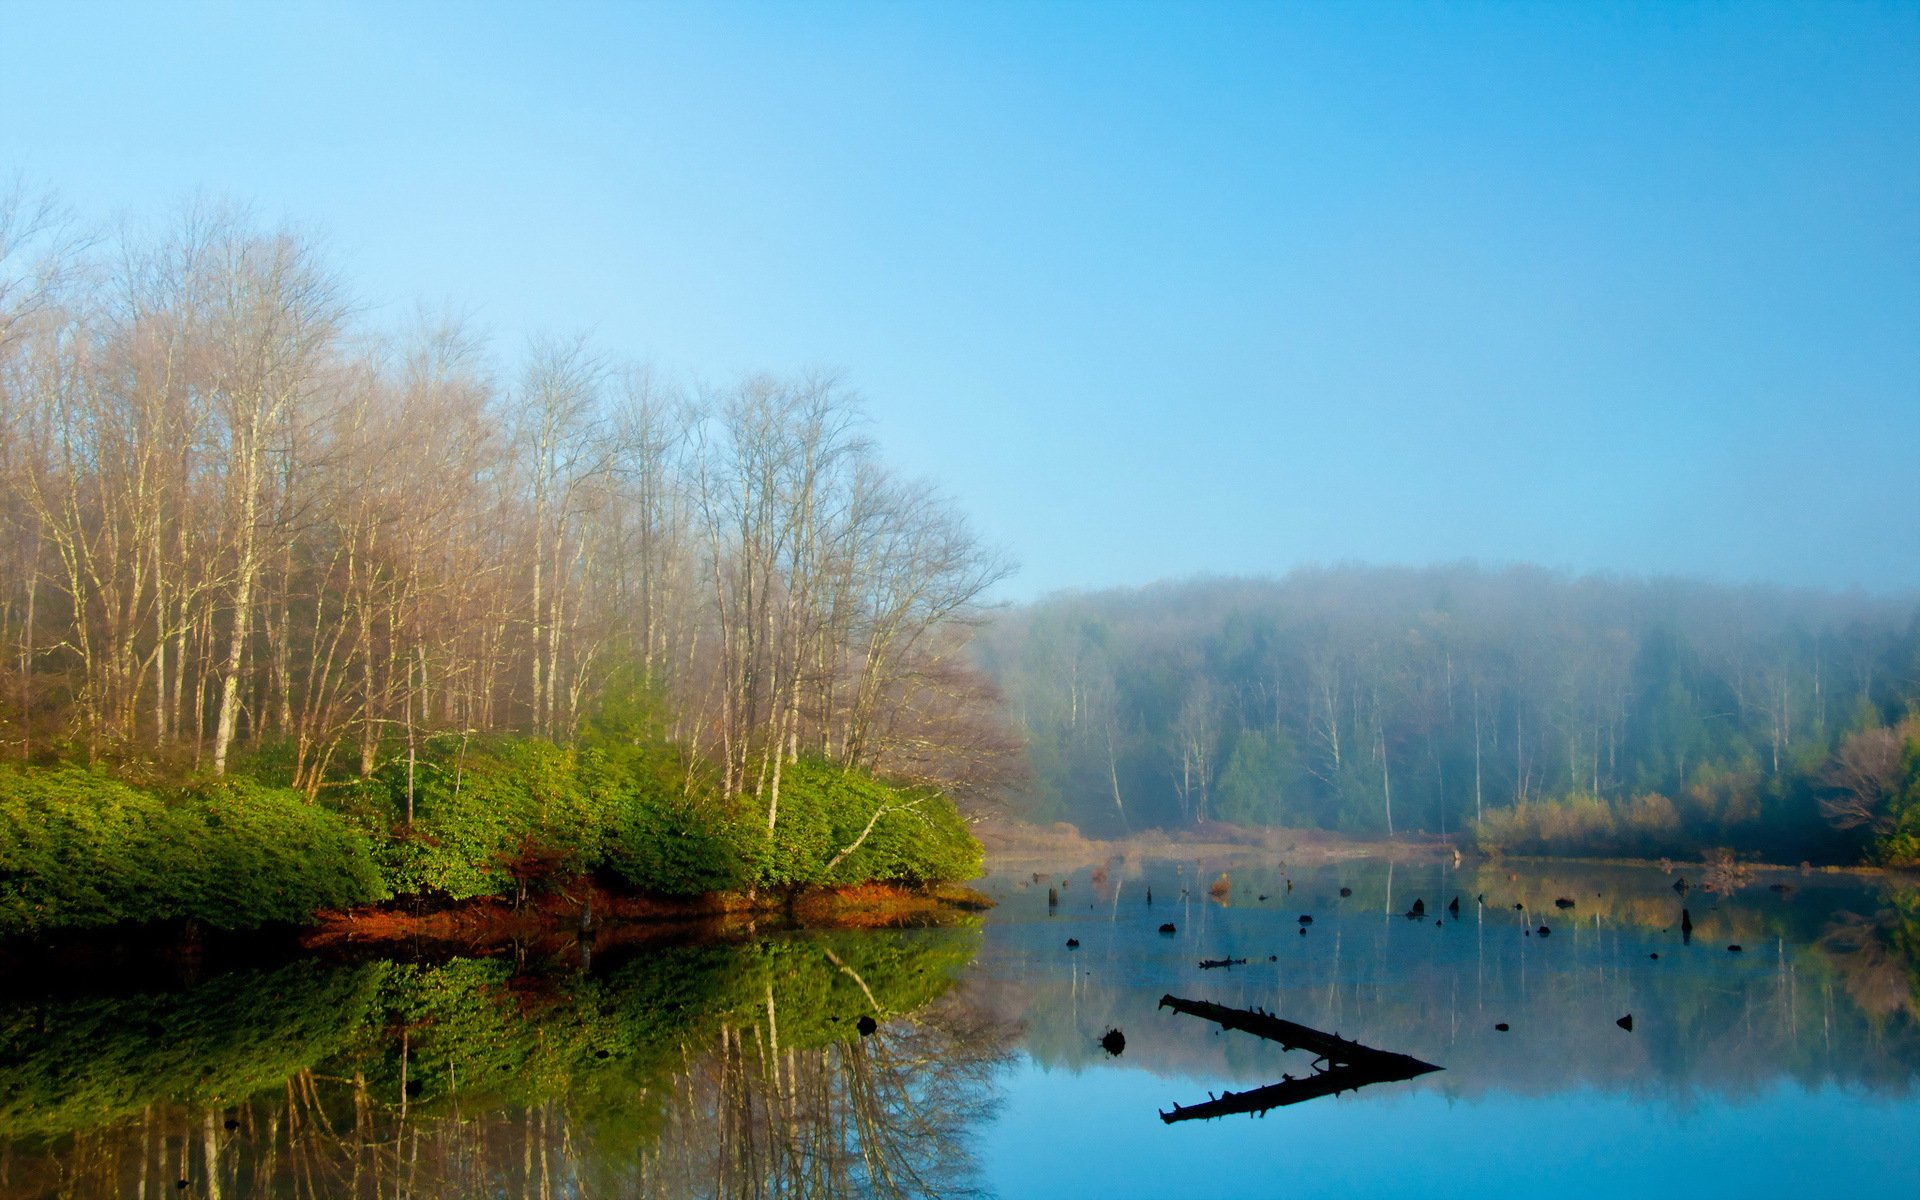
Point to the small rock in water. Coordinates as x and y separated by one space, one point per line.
866 1026
1734 949
1346 891
1563 902
1680 885
1655 954
1502 1027
1453 906
1519 907
1073 943
1306 919
1113 1042
1167 928
1626 1022
1419 908
1544 931
1303 931
1263 895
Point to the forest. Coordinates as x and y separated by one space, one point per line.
1521 710
254 543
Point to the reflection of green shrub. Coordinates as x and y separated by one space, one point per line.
80 849
463 1033
74 1064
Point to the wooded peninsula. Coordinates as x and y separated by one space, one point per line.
300 614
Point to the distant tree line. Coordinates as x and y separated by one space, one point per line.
1545 712
241 532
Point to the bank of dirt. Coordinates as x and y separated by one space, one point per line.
606 917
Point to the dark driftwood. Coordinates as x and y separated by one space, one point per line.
1348 1064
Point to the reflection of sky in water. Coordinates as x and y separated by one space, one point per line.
1095 1133
1786 1069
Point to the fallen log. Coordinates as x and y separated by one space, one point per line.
1293 1091
1348 1064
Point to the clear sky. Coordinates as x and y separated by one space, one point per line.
1152 289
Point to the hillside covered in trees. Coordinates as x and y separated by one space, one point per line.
1535 711
242 533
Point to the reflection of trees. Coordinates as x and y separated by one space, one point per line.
1707 1020
732 1070
1878 957
883 1115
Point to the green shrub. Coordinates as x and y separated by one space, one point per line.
490 815
78 849
268 854
1901 846
671 833
917 837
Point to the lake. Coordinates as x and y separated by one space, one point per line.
966 1057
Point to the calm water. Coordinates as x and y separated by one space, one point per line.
738 1067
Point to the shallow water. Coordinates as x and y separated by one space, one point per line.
739 1067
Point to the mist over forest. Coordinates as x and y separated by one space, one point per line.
1531 709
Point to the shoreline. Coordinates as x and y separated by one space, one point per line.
1017 846
600 914
546 927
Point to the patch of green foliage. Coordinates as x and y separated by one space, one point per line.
875 830
1901 846
79 849
457 817
489 816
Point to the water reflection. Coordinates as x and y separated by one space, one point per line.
1824 992
739 1067
735 1069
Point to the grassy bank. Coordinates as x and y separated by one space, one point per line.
492 822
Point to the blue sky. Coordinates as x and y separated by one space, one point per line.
1151 289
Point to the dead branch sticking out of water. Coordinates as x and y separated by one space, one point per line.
1340 1064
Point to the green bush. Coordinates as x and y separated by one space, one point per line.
78 849
490 816
918 837
1901 846
671 833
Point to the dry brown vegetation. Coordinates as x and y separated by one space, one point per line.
235 520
